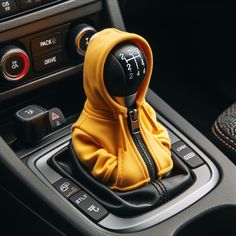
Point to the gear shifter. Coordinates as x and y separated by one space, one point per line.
117 136
119 153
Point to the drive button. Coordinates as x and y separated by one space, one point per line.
47 42
47 61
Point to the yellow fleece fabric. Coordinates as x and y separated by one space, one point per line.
101 138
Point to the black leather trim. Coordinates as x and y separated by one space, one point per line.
224 130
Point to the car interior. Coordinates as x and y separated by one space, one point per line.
77 111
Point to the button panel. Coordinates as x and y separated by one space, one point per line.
187 154
80 199
11 8
48 52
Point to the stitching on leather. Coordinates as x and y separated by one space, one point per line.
217 136
229 146
161 196
165 189
221 133
162 189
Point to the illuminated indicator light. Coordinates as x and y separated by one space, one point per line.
26 65
55 116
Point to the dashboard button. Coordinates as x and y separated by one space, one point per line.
56 118
14 63
48 61
47 42
187 154
30 112
88 206
79 38
31 124
7 7
66 187
25 4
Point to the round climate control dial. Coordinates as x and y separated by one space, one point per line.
14 63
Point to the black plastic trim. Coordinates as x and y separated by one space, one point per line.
42 14
114 12
76 10
41 82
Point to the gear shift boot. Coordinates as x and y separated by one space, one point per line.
128 203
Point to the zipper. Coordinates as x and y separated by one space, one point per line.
139 143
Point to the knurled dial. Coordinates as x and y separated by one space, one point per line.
14 63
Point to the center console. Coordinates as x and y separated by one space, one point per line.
203 171
41 72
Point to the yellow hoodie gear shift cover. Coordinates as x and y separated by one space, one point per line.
101 138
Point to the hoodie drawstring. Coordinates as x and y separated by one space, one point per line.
123 134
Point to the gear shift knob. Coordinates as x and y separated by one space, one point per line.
124 71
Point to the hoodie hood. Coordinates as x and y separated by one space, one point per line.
99 47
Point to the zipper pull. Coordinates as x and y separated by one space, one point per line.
134 122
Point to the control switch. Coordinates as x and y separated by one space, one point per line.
48 61
187 154
31 124
56 118
79 38
14 63
66 187
8 7
88 206
46 43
